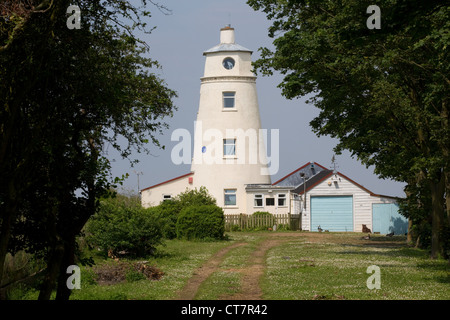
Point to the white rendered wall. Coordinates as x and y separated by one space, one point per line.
153 196
214 123
275 209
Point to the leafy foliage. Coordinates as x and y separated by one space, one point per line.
169 210
167 213
195 197
119 227
66 94
262 213
383 93
201 222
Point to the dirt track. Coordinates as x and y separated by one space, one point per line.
251 274
202 273
255 267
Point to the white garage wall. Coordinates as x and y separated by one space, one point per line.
340 186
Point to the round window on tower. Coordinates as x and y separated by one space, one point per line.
228 63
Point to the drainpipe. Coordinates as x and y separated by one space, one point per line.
302 174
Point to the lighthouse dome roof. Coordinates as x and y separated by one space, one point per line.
227 47
227 43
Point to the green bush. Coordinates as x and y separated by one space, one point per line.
168 211
262 213
201 222
195 197
119 227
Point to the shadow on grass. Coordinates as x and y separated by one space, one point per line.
401 239
441 266
392 247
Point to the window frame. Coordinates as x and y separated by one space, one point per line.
260 197
227 97
270 198
233 192
281 196
229 144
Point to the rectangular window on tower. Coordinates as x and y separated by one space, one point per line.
229 147
228 100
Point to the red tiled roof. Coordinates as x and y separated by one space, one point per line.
156 185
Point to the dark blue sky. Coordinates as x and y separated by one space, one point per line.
178 43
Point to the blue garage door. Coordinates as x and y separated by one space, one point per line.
332 213
387 219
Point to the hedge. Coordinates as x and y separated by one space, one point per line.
201 222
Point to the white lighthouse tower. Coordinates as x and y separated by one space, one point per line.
229 151
229 155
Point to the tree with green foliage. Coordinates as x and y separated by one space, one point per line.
383 93
169 210
201 222
65 95
195 197
121 226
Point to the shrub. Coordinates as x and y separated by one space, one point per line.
195 197
262 213
201 222
168 211
120 228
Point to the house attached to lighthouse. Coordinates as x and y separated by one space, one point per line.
230 160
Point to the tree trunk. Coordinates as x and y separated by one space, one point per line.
447 195
53 268
5 232
409 237
437 215
55 257
445 146
63 292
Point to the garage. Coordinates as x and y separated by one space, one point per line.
332 213
386 219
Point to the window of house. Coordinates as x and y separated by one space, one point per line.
270 201
258 200
230 197
228 99
167 197
282 200
229 147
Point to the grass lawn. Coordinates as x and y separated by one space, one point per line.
300 266
177 259
335 267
